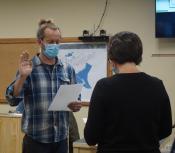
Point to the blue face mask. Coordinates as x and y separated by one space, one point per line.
51 50
114 70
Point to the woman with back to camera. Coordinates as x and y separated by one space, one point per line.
130 111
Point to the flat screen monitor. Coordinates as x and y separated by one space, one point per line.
165 19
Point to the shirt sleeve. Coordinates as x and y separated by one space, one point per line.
71 74
165 115
72 77
14 100
94 125
20 107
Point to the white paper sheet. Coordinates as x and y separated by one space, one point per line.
65 95
85 119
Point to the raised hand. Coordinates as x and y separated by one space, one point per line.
25 64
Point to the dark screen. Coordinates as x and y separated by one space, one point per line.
165 19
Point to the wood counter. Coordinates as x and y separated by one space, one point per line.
10 134
81 146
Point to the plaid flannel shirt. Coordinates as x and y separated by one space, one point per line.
37 94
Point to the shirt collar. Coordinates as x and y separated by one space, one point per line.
36 61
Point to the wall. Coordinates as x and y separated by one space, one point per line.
19 19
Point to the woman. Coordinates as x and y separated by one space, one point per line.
130 111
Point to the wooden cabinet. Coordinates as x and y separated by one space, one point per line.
80 146
10 134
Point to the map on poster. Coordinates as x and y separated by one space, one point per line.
89 61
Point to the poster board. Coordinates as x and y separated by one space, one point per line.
89 60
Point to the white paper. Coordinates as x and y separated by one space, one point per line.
65 95
85 119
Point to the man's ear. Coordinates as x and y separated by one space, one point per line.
39 41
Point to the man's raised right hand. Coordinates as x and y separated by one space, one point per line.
25 64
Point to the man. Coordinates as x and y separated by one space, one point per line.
37 82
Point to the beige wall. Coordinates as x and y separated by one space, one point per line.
19 19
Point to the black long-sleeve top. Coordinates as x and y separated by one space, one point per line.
128 113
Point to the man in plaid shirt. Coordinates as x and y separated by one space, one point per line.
36 84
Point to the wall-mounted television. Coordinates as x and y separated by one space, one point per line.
165 19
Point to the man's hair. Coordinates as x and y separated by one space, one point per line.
43 24
125 47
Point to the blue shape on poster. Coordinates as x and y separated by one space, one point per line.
69 54
82 76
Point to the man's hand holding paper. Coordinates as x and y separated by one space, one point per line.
66 98
75 106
